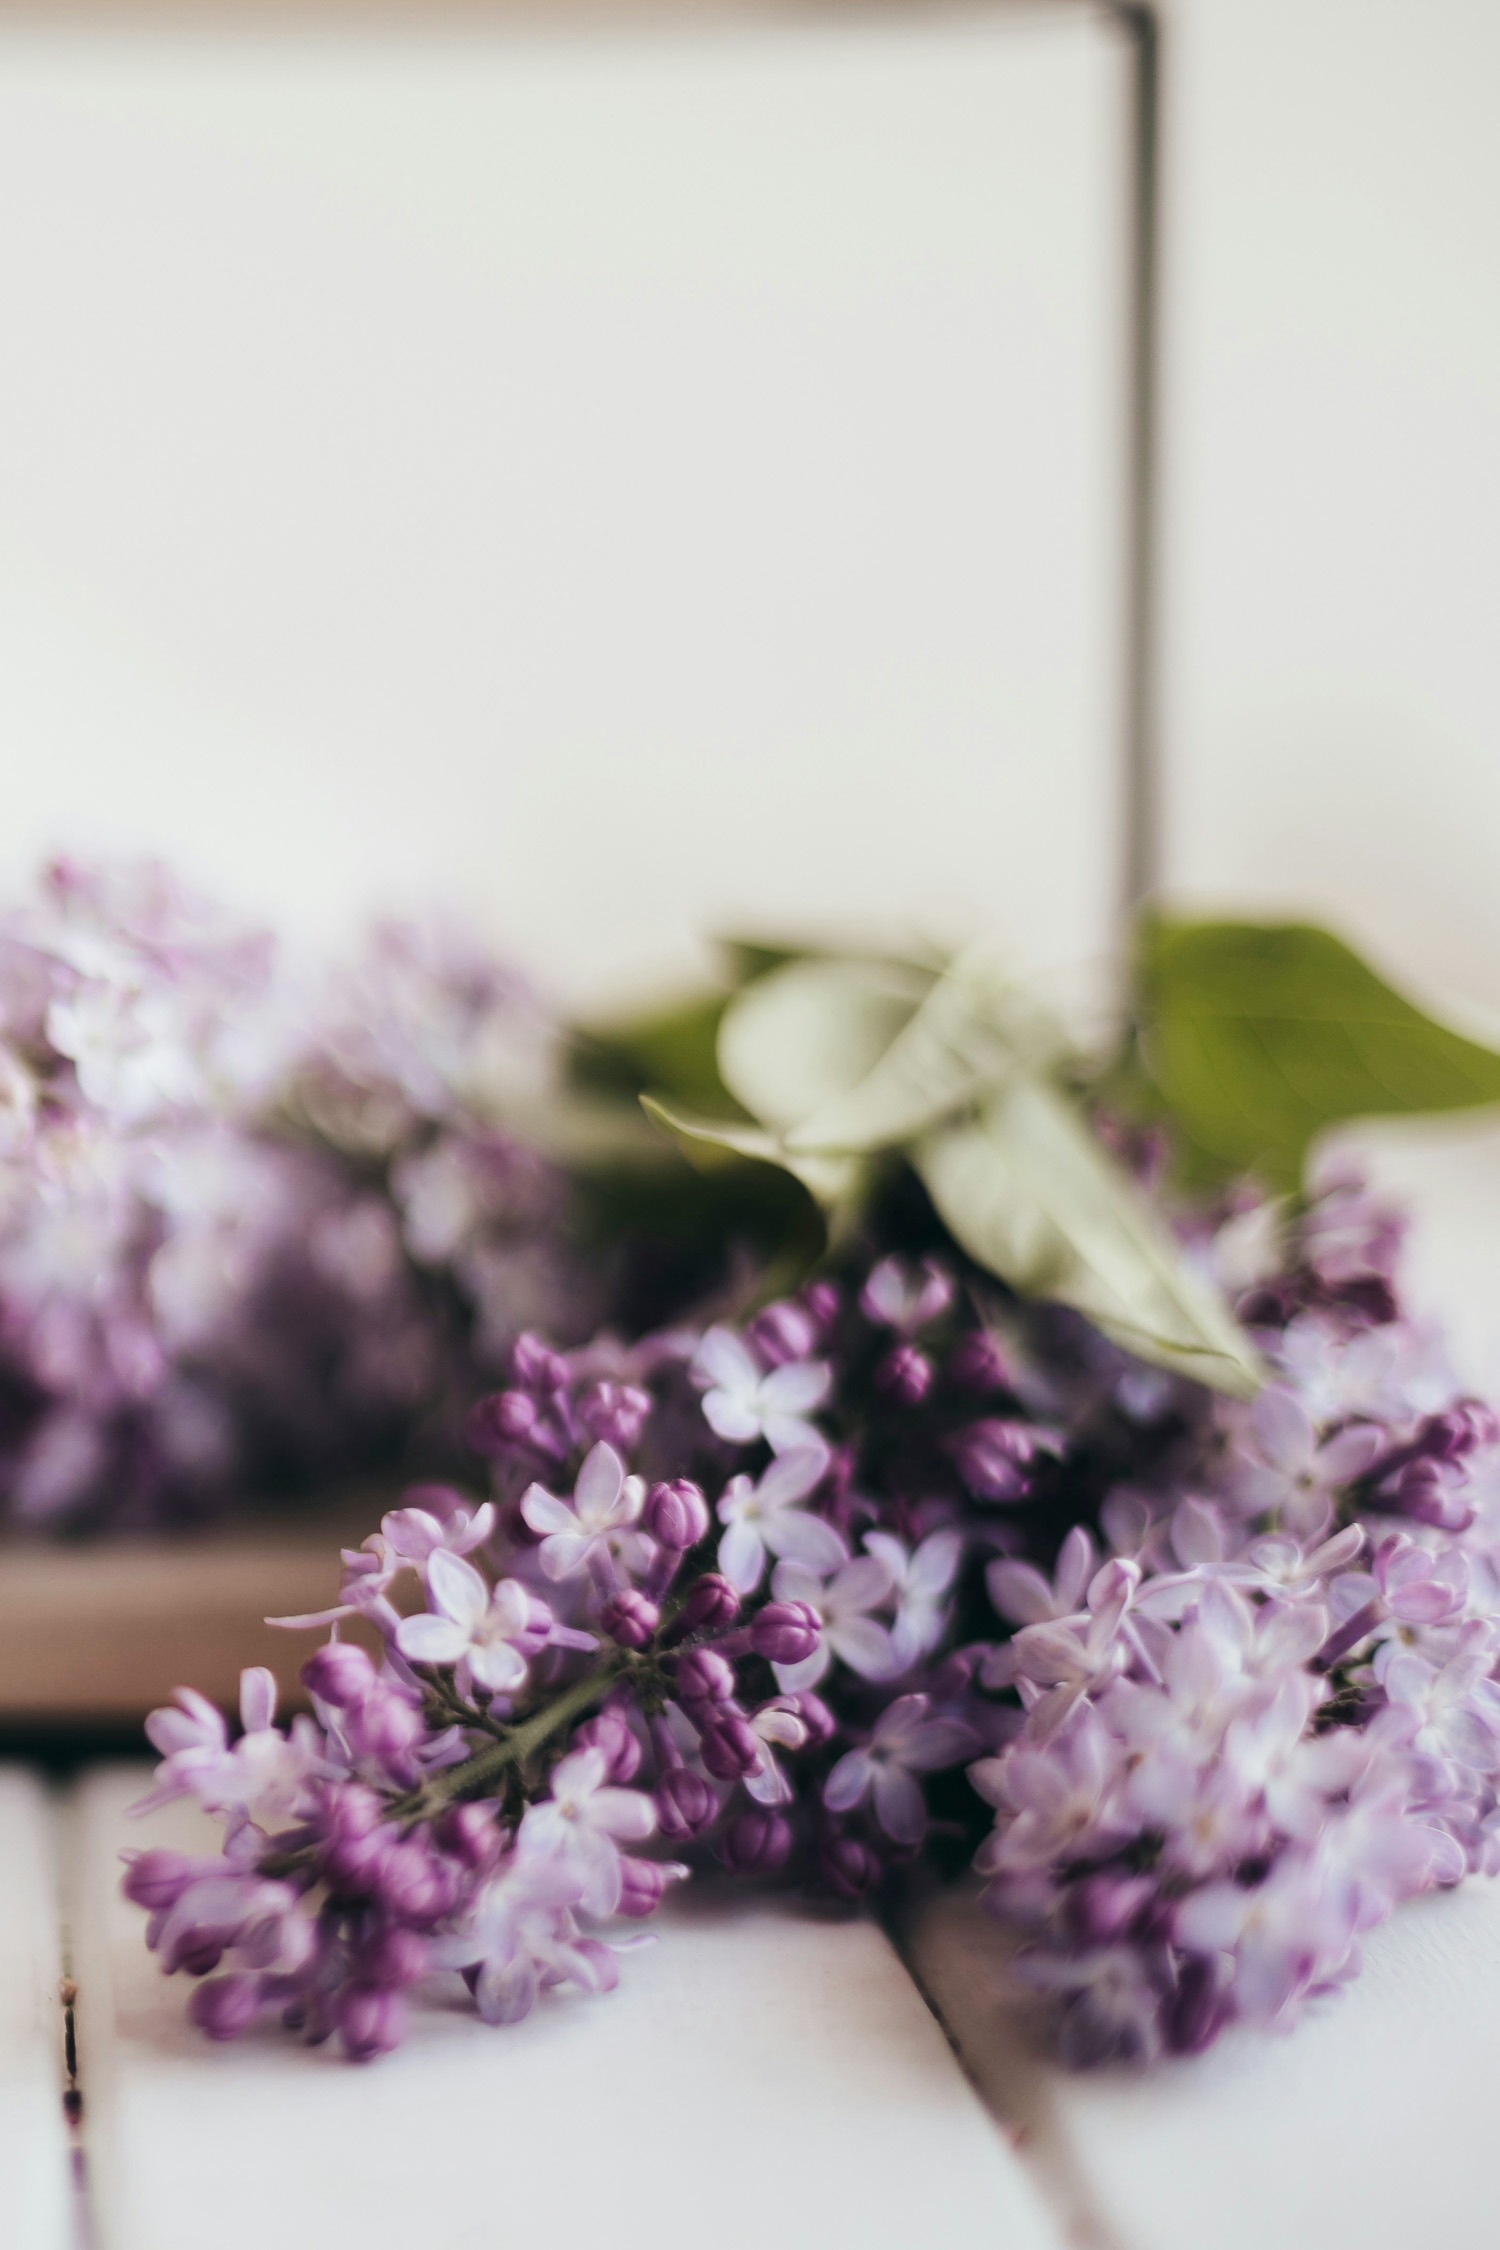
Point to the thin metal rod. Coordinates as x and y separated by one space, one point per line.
1141 811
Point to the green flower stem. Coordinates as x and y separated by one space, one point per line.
518 1745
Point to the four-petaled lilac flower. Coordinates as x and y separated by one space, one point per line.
905 1741
1291 1473
742 1402
844 1602
777 1725
606 1502
921 1579
767 1516
583 1822
491 1635
260 1779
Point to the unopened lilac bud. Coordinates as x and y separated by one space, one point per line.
504 1419
786 1632
703 1676
385 1727
394 1957
686 1804
469 1834
824 1301
1101 1908
729 1745
642 1883
610 1731
979 1363
339 1674
710 1605
157 1879
535 1366
782 1332
371 2022
848 1866
759 1842
226 2006
999 1460
630 1619
414 1883
676 1515
1199 2008
816 1717
615 1413
905 1375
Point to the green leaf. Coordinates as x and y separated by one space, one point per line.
811 1030
831 1180
974 1030
1028 1191
1260 1036
673 1048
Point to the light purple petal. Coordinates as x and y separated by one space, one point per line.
864 1646
899 1805
797 1387
849 1781
742 1557
457 1589
257 1698
726 1362
543 1511
431 1640
730 1418
804 1539
601 1481
792 1476
627 1814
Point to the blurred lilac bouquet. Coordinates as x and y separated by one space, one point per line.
206 1288
800 1597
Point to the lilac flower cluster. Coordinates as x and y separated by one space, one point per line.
801 1597
424 1057
1259 1686
197 1296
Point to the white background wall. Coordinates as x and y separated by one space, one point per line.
631 481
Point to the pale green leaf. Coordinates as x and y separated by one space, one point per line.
974 1030
1029 1192
810 1031
832 1180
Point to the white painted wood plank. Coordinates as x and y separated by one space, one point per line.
34 2193
763 2075
1373 2123
632 476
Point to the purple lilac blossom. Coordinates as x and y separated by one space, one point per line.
1207 1689
201 1299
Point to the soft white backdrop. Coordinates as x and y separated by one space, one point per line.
631 481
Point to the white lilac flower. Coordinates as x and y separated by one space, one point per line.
843 1602
766 1516
921 1578
1021 1593
1292 1474
523 1936
906 1741
742 1402
606 1502
777 1725
260 1779
583 1822
489 1633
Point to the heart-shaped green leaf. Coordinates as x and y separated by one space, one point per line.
1260 1036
